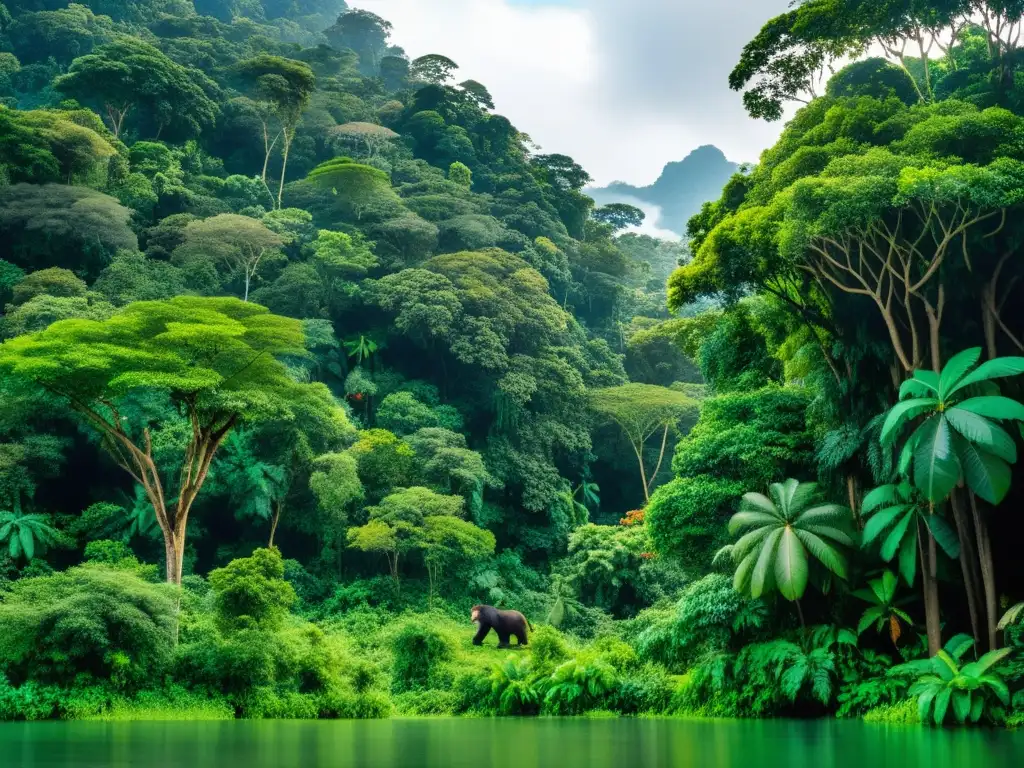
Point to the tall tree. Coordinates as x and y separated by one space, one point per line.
285 86
129 75
214 360
641 410
241 243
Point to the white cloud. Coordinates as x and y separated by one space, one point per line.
622 86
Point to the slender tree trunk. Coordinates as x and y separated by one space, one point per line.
286 147
988 574
967 563
851 493
800 614
930 589
661 457
393 563
643 472
273 523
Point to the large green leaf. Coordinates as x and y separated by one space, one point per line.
936 469
977 707
998 687
958 645
826 554
758 502
945 536
871 615
908 557
28 542
887 586
924 703
987 475
992 369
791 566
877 497
994 407
956 369
982 432
941 705
900 413
741 579
750 541
759 578
922 384
985 663
825 514
879 521
961 705
892 541
748 518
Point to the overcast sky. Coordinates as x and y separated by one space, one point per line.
624 86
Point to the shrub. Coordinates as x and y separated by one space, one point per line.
514 691
585 682
472 693
419 653
94 621
252 592
704 622
547 649
646 690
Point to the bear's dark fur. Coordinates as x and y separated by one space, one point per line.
504 623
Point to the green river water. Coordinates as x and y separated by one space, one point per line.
444 743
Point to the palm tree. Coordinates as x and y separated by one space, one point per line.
782 529
25 532
959 438
361 349
959 442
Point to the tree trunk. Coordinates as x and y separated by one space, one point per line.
800 614
851 494
173 554
273 523
661 457
967 563
643 473
286 147
988 574
931 591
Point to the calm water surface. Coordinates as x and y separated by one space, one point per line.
502 743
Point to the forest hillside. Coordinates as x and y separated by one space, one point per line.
306 350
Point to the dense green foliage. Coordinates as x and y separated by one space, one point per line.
305 351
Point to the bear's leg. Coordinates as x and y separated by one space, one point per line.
521 636
481 633
502 640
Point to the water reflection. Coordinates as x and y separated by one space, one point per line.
537 743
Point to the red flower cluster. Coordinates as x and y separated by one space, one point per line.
647 555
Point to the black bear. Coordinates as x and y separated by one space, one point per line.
504 623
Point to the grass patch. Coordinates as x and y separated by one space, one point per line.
176 704
903 713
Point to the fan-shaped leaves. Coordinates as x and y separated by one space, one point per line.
781 530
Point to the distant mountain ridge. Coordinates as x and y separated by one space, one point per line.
681 189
